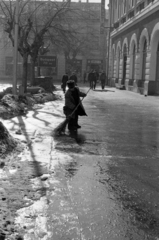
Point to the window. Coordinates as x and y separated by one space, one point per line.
144 60
124 6
133 62
132 3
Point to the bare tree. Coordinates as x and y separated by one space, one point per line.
35 20
77 38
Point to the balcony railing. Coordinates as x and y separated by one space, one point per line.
140 7
131 14
123 20
116 25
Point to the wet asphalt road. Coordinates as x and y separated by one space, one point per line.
110 188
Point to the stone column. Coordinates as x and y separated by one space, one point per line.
127 73
137 72
149 86
113 74
120 72
147 72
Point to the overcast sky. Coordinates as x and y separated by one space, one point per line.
106 1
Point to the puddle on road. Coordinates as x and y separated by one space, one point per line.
71 169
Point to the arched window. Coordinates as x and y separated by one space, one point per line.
118 63
144 60
113 59
133 62
124 63
157 64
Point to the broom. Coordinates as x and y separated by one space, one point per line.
61 127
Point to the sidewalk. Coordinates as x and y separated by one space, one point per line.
32 171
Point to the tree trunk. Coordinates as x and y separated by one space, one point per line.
32 72
25 72
39 73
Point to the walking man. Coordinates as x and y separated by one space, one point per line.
94 79
90 79
102 79
64 81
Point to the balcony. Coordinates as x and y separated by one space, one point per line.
116 25
140 7
123 20
141 10
149 1
131 14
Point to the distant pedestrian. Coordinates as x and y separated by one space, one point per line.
94 79
64 81
73 77
103 79
90 78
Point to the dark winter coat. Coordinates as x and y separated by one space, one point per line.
92 77
64 80
102 77
71 102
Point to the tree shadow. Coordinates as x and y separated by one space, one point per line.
78 137
37 166
104 90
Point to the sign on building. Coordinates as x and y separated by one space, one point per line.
47 65
47 61
94 64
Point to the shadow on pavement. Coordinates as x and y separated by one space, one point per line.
36 164
105 90
79 138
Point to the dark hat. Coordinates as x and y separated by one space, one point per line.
71 83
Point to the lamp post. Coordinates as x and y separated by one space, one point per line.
15 51
108 49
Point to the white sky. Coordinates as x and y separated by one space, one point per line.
106 1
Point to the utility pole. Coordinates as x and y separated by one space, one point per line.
15 50
103 33
108 48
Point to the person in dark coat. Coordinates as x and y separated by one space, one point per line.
102 79
72 100
73 77
64 81
90 78
94 79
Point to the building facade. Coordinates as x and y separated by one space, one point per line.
134 45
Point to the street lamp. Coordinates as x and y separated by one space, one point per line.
110 23
15 52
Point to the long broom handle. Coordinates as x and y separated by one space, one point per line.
79 103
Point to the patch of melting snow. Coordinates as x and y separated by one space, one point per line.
34 220
12 171
58 157
3 174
